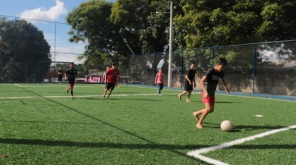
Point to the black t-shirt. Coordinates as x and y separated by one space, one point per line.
191 74
213 78
71 74
60 71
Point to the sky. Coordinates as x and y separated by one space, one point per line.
55 33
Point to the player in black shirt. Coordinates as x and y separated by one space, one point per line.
189 83
71 75
212 77
60 75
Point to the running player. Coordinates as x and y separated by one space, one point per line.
71 75
112 78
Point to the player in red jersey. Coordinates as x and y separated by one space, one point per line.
112 78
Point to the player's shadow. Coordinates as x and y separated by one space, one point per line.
170 147
117 98
131 99
239 128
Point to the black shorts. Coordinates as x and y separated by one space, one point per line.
71 80
110 86
60 78
188 87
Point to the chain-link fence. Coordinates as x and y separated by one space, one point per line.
268 68
30 49
32 54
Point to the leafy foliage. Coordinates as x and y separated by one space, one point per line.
21 45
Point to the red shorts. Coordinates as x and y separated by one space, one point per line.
71 85
210 99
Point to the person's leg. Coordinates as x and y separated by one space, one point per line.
107 88
209 109
204 114
188 96
186 90
197 113
71 90
69 87
183 93
105 91
112 86
109 93
160 88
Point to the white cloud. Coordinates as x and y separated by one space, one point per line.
41 13
67 53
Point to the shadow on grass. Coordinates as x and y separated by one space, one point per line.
69 143
238 128
99 144
115 98
171 147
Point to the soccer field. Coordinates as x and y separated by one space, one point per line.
41 124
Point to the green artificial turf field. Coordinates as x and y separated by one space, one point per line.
41 124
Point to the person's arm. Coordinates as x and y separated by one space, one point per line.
224 85
202 85
194 83
186 77
155 80
65 75
104 77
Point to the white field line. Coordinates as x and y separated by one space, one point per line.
57 85
77 96
254 97
168 89
197 153
17 85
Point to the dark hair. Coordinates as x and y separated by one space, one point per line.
114 64
72 63
221 61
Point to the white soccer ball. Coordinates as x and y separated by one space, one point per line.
226 125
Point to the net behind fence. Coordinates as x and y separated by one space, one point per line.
268 68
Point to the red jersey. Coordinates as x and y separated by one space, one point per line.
112 75
159 78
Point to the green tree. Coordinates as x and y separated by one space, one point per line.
214 23
91 22
24 52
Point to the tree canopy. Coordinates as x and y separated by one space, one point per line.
24 52
117 30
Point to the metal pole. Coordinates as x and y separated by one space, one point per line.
170 46
54 55
254 67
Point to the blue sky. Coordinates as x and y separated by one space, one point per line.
55 33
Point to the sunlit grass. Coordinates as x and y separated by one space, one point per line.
41 124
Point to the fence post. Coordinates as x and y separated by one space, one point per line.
254 67
155 66
134 67
54 56
213 56
181 71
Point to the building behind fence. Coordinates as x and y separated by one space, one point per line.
261 68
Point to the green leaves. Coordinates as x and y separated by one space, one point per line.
24 52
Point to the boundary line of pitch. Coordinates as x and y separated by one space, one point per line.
197 153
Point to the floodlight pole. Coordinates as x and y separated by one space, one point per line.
170 46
